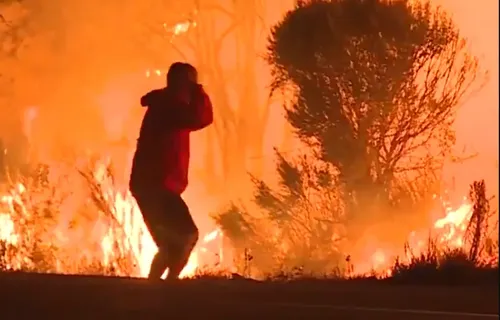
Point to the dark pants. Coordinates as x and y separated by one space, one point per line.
172 228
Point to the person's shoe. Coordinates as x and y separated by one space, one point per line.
155 279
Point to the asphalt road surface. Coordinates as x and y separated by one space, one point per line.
30 296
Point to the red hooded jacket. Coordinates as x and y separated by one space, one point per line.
161 160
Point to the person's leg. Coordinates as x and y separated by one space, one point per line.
158 266
177 261
152 208
183 235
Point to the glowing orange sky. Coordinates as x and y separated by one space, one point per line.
477 121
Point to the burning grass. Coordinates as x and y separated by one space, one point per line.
94 229
459 245
474 261
91 229
45 229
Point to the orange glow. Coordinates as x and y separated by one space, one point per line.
86 68
137 239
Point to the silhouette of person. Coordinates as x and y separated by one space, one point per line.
160 166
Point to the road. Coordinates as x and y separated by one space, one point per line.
25 296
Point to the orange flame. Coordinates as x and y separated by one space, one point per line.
448 232
126 212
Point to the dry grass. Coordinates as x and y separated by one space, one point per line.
37 211
474 263
36 206
449 267
297 224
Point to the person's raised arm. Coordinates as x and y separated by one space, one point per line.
197 115
152 98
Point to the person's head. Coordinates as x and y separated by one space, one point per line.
181 75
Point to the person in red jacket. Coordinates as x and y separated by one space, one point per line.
160 166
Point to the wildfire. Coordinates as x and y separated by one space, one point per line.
137 239
179 28
448 232
173 31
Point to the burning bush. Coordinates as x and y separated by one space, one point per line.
374 103
300 229
66 220
475 260
54 221
300 225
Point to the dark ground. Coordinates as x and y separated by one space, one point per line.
30 296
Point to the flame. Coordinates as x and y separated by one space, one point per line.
447 231
138 240
7 227
179 28
449 228
175 30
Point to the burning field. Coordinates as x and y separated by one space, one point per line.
96 229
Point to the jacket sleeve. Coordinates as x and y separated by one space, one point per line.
151 98
195 116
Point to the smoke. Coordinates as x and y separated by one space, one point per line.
477 121
81 64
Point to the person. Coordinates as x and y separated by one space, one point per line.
160 166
